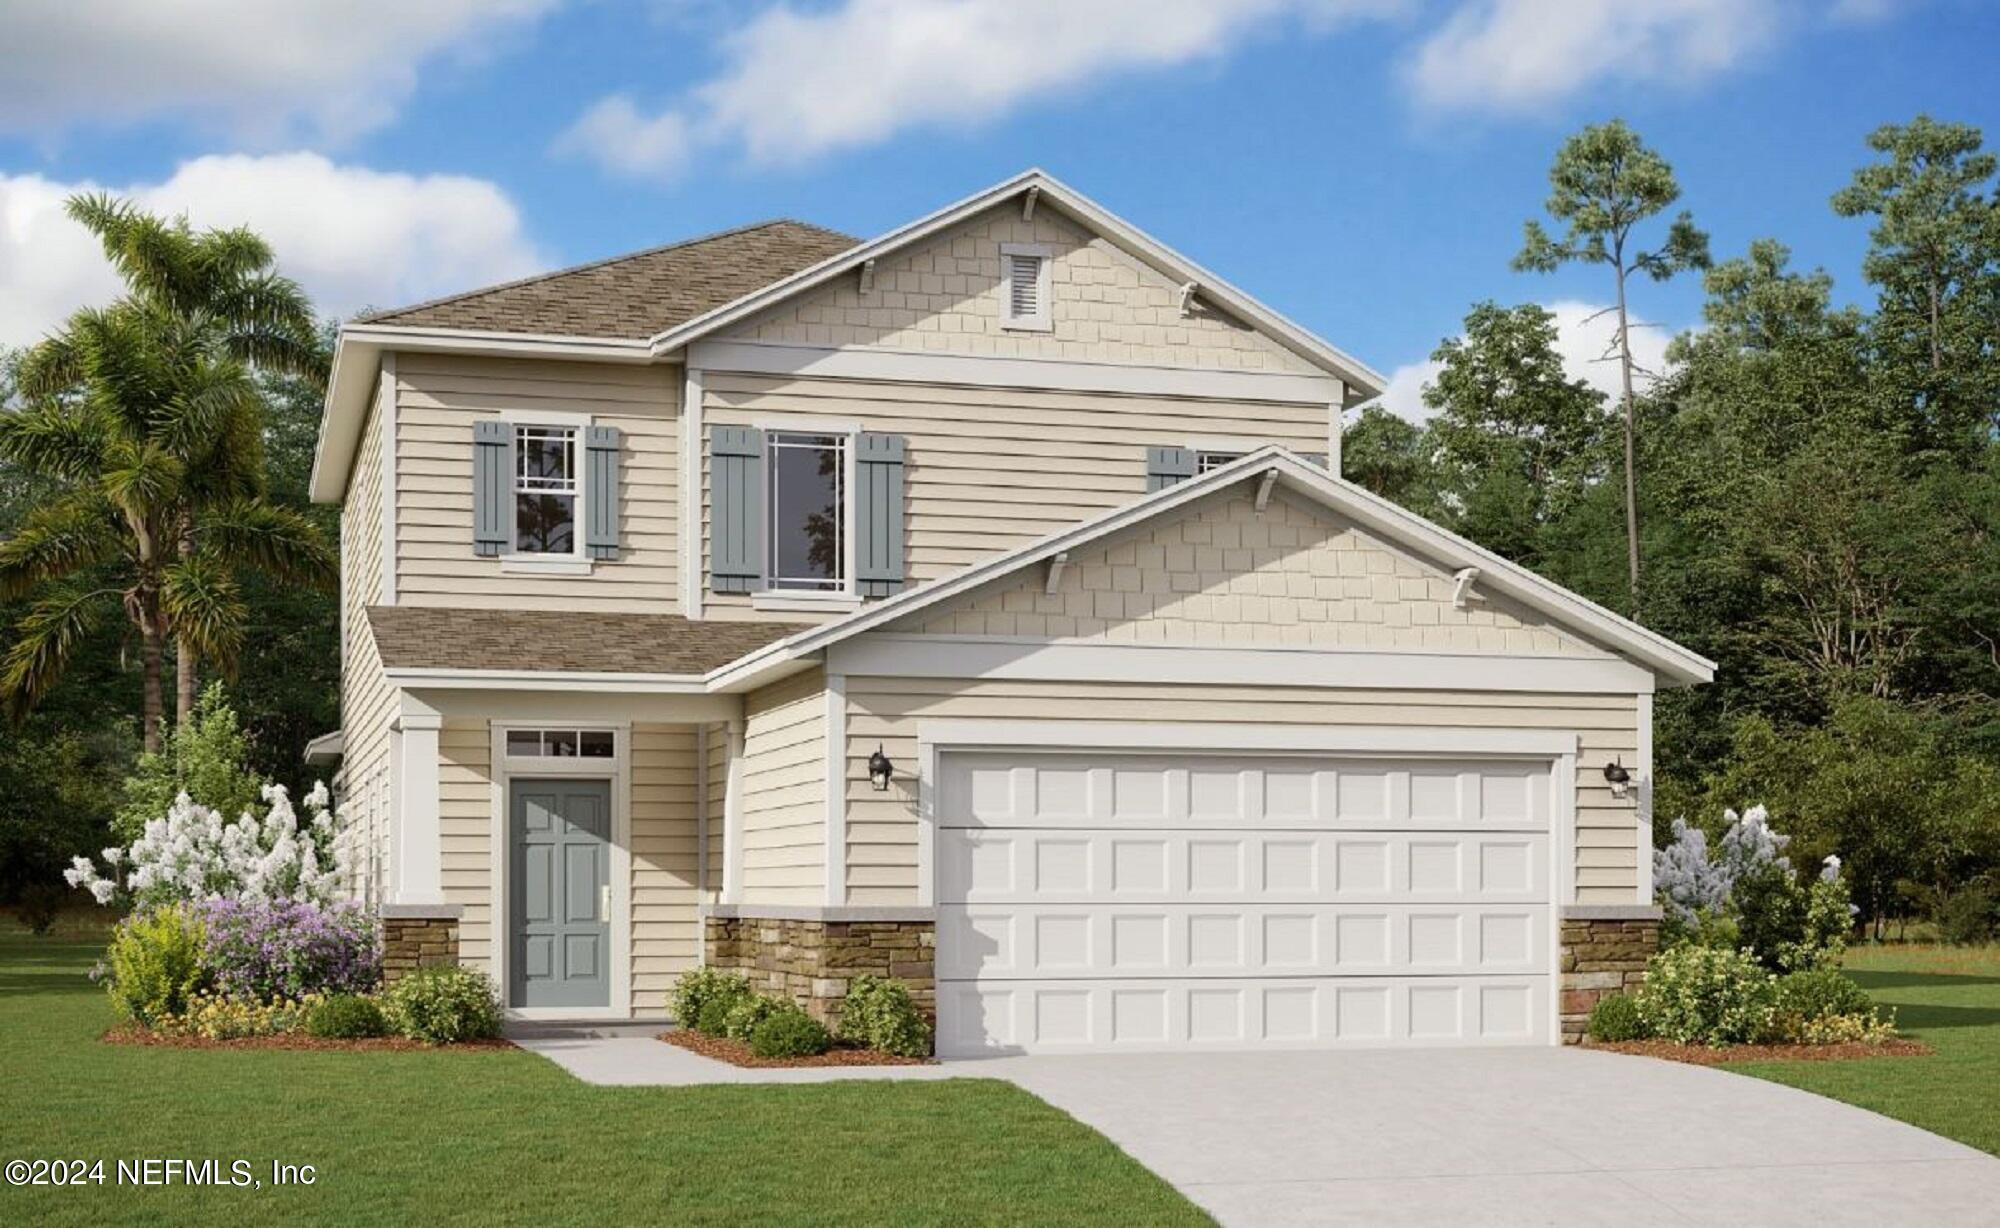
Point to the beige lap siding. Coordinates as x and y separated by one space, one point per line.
882 827
439 398
465 826
784 792
991 469
366 698
718 801
666 934
943 296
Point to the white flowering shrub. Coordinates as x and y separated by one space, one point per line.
1697 995
1688 882
1745 894
194 854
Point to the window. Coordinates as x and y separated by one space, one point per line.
806 521
1024 286
545 490
559 743
1205 461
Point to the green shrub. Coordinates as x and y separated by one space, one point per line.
1967 916
154 965
206 756
1704 996
746 1013
346 1016
39 906
1615 1018
697 987
879 1013
790 1033
442 1006
714 1019
1869 1028
1816 993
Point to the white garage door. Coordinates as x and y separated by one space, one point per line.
1112 902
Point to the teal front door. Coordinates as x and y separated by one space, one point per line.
561 898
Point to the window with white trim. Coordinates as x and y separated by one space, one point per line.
1024 286
1205 461
805 520
560 743
546 487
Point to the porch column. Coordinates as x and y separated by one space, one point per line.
419 844
732 818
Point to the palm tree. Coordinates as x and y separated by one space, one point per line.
145 420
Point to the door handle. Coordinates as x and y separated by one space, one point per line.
604 902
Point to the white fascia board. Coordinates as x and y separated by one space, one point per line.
1198 738
1666 658
884 654
356 361
914 366
1095 217
427 678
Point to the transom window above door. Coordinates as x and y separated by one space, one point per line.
560 743
806 520
545 490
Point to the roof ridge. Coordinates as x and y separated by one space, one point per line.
587 266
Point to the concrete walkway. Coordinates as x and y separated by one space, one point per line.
1452 1137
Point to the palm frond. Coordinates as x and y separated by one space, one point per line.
58 539
204 607
272 539
208 397
65 441
45 639
145 478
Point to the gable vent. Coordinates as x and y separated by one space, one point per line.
1024 286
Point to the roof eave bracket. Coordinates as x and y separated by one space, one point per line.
1028 200
867 284
1188 291
1264 487
1461 589
1056 566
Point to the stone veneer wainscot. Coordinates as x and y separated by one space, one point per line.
1604 951
810 954
417 936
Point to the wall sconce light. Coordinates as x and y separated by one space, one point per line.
879 770
1618 778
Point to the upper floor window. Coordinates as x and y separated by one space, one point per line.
806 520
545 490
1024 286
1205 461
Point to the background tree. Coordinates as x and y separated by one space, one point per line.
1603 184
1389 456
144 426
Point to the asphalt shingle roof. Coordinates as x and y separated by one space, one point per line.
428 637
638 295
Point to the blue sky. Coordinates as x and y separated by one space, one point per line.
1362 165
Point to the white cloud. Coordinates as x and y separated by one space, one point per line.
350 235
799 83
1522 55
1584 335
265 69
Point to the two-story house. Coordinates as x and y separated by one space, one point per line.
981 605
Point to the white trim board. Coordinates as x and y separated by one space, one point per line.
923 367
694 453
887 654
835 742
385 407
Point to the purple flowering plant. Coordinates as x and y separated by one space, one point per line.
267 950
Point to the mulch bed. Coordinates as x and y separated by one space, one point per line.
1702 1055
736 1053
291 1040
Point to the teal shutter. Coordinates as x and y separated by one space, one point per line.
1168 467
736 509
600 466
492 486
878 514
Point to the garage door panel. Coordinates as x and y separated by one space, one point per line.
1058 941
1058 790
1129 901
1142 1015
1123 865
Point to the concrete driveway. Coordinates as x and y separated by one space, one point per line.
1505 1137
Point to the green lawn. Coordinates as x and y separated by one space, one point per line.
501 1136
1949 999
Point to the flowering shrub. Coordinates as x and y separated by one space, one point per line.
154 965
1705 996
1867 1028
192 854
216 1016
1822 1006
879 1013
443 1005
1746 894
746 1013
265 951
696 987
